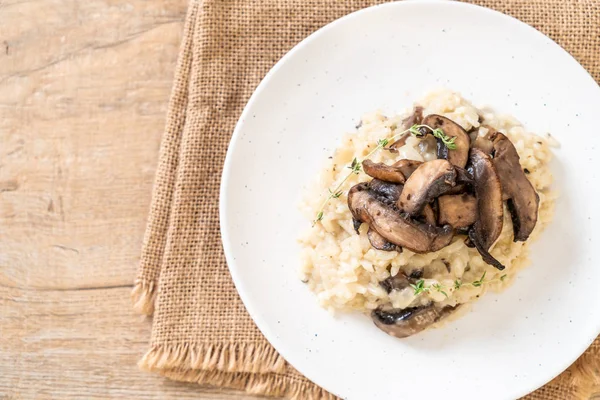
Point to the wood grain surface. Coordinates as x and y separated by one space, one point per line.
84 87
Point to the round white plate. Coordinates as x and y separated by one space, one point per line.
386 57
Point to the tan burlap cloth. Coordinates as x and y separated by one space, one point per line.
201 331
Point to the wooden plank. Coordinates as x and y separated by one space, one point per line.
78 344
84 87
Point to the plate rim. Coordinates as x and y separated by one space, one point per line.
253 311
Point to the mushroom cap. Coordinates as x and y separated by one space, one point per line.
490 209
407 167
396 228
380 243
522 199
383 172
459 210
390 191
430 180
458 156
405 322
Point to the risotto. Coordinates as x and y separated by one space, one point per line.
397 280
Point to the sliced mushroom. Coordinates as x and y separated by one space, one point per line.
390 191
464 182
380 243
458 156
483 251
397 282
490 210
459 210
429 181
359 212
522 199
396 228
405 322
407 167
383 172
429 215
414 118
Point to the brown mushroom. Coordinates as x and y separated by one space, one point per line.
464 182
414 118
429 181
380 243
429 215
460 155
490 209
458 210
397 282
475 241
390 191
407 167
521 198
383 172
405 322
395 227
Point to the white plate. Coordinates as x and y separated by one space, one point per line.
386 57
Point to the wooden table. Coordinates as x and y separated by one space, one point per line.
84 87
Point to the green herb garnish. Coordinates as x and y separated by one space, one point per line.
420 286
355 166
438 133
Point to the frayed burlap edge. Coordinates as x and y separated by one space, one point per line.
235 367
143 296
245 358
274 385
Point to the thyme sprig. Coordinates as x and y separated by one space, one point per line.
418 131
356 165
420 287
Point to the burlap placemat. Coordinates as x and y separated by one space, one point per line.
201 331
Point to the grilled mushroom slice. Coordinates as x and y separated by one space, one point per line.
490 210
407 167
458 156
475 241
380 243
396 228
397 282
383 172
522 199
429 215
464 182
429 181
405 322
390 191
458 210
414 118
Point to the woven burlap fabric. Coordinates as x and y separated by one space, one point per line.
201 331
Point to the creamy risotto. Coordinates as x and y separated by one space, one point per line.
355 259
